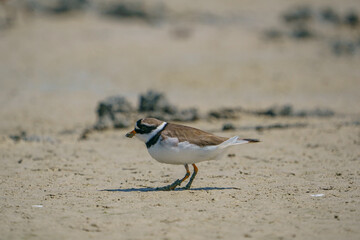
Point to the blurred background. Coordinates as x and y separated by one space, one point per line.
58 58
285 72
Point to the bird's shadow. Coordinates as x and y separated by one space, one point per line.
148 189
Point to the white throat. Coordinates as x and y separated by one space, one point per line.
145 137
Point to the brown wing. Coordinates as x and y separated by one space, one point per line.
192 135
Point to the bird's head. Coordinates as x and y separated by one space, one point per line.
146 128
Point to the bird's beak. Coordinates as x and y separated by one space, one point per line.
130 134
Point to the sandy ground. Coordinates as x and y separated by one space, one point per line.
54 70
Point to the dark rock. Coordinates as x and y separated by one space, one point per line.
153 101
288 111
18 137
136 10
318 112
351 19
299 14
302 32
156 105
228 127
225 113
103 123
329 15
304 23
31 138
113 112
275 111
272 126
279 126
341 47
56 6
356 123
127 10
117 112
114 104
186 115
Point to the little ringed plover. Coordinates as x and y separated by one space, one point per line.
182 145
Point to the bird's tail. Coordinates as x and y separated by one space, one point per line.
236 141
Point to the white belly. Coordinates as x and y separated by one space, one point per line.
172 152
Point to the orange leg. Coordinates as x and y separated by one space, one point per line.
177 182
187 173
192 177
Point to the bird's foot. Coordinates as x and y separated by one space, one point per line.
169 187
187 187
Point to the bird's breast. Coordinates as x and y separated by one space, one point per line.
171 151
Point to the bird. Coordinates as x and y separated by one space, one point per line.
177 144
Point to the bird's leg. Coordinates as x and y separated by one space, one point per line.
177 182
192 177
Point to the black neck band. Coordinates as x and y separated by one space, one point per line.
155 138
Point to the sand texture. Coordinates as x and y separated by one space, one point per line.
301 181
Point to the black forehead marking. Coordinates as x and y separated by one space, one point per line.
142 128
138 123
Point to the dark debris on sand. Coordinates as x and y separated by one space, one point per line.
56 7
24 136
323 24
113 112
287 110
225 113
117 112
135 10
155 104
